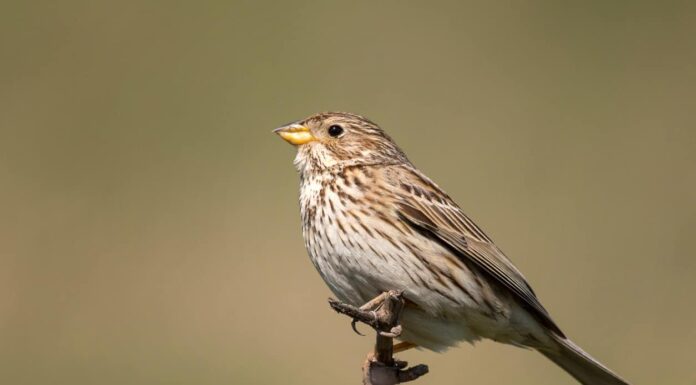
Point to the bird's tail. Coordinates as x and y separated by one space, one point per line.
581 365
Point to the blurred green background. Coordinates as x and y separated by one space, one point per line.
149 225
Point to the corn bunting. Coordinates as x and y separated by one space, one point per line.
372 222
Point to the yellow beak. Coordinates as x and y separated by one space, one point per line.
295 134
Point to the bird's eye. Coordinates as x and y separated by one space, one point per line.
335 130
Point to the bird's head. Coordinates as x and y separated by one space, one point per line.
332 140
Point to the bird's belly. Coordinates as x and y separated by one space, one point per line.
358 267
447 302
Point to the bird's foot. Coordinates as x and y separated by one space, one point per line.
380 313
376 302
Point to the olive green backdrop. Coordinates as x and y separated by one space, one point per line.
149 226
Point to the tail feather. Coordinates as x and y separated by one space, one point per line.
581 365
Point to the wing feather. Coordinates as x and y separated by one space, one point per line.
445 222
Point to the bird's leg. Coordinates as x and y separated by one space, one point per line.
370 306
382 313
368 317
376 302
369 313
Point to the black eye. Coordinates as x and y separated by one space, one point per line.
335 130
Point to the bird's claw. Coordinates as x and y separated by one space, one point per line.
354 325
393 333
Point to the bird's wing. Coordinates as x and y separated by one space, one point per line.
427 208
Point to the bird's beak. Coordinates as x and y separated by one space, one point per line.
296 134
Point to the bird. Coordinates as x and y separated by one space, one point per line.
373 222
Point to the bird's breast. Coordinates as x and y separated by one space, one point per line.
348 237
360 247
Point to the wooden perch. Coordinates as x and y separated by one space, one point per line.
382 313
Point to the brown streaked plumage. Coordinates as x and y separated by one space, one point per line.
372 222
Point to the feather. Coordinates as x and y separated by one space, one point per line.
444 221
